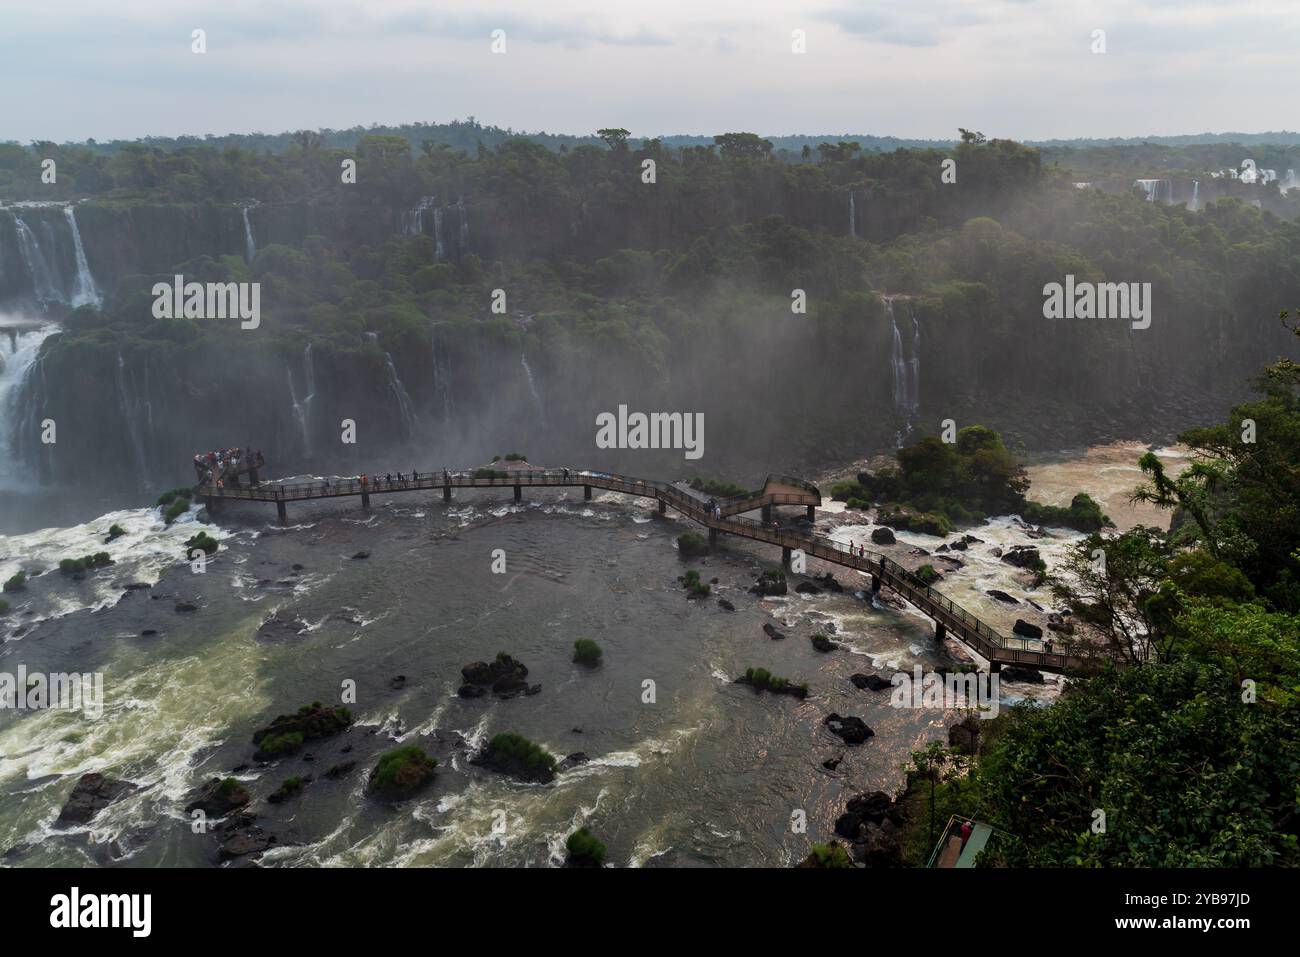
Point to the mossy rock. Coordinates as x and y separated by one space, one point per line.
289 732
401 773
586 652
585 849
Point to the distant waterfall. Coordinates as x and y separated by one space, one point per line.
1290 182
405 407
853 216
19 425
532 387
84 291
439 249
44 283
1196 194
442 379
137 415
302 407
464 227
906 371
1157 190
250 245
413 222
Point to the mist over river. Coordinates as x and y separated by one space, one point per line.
708 774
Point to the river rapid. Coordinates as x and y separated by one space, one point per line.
705 772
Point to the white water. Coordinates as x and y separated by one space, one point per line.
44 282
250 246
853 216
18 354
84 290
1196 194
405 407
302 407
532 387
906 371
132 408
1157 190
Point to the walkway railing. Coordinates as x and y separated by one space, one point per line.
961 623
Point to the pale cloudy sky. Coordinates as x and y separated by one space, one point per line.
73 69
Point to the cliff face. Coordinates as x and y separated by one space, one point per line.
783 391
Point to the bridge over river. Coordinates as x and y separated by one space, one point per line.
949 618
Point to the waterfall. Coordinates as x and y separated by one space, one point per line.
19 354
1196 192
84 291
853 216
250 246
413 222
302 407
44 285
464 227
1290 182
131 407
442 379
1157 190
532 387
439 250
906 372
405 407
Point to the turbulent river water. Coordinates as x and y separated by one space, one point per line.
708 773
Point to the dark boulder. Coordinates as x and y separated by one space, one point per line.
1022 556
572 761
340 770
1017 673
1003 597
870 682
289 732
218 797
807 588
852 730
1026 630
92 793
883 535
770 630
726 605
823 644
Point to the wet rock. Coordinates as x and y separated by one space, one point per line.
397 683
289 732
828 582
471 691
340 770
290 787
1022 556
770 630
1025 629
282 626
1003 596
972 540
959 545
870 682
726 605
148 632
515 762
822 643
92 793
883 535
995 551
218 797
852 730
488 673
863 811
1017 673
830 764
242 838
363 553
770 583
572 761
186 606
807 588
401 774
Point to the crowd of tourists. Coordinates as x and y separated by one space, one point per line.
213 467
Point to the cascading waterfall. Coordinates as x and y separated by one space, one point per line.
84 290
19 358
906 372
250 246
532 387
1157 190
464 227
302 407
413 222
442 379
44 284
132 408
405 407
1196 193
853 216
439 249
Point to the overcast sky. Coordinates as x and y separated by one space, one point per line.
1025 69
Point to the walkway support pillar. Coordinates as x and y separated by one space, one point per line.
940 632
519 493
767 514
995 667
280 510
252 476
875 584
365 499
812 513
713 536
663 506
586 492
446 493
786 552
